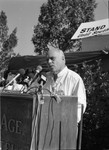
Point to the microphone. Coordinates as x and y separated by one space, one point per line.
38 70
42 79
21 72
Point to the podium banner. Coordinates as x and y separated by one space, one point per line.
16 121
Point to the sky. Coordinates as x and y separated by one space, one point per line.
23 14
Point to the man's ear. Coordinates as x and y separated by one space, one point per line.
63 58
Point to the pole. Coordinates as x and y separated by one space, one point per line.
108 13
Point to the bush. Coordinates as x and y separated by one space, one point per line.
95 132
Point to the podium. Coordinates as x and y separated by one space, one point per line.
53 127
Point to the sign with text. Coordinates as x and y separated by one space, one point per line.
16 121
91 29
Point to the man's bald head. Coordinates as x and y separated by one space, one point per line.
56 59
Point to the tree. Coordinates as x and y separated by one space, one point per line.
58 21
7 42
96 116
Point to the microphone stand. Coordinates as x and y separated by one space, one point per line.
36 129
40 94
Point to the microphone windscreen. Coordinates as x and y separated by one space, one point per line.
43 78
39 68
22 71
31 75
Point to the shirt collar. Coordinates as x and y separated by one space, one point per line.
63 71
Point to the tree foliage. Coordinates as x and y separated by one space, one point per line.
96 117
7 41
58 21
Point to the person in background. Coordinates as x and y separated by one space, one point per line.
13 81
3 78
13 86
63 81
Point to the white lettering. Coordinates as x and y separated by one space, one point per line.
11 125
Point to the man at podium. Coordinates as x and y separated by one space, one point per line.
60 124
63 81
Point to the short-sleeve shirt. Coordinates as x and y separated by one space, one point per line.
68 83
